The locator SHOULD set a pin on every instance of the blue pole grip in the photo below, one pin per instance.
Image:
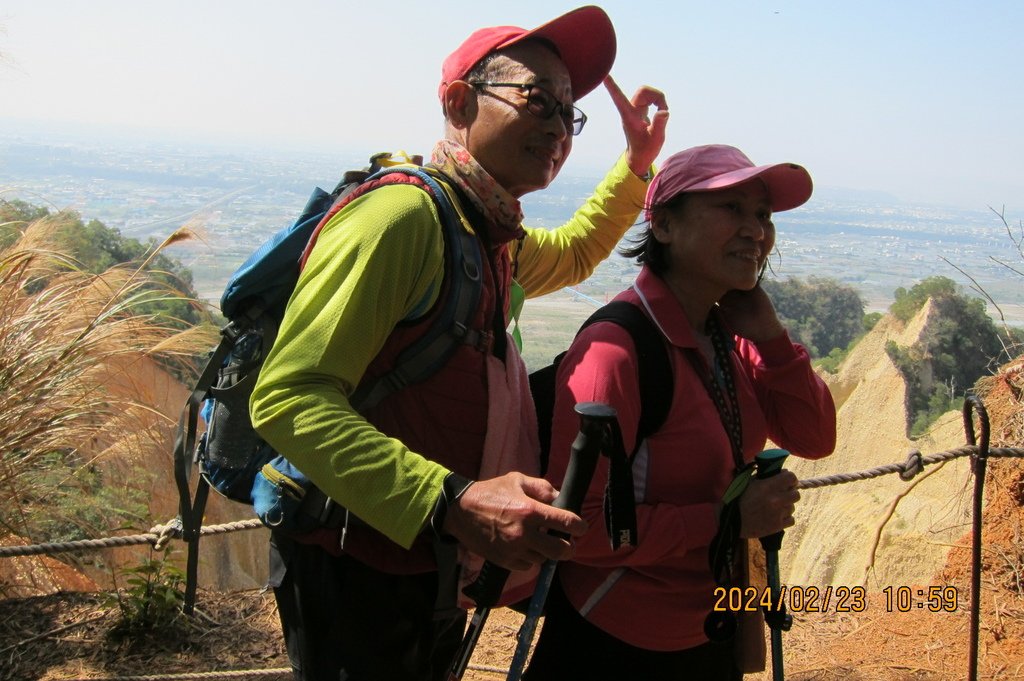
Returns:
(769, 462)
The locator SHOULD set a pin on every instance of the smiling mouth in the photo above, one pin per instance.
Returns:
(750, 256)
(545, 154)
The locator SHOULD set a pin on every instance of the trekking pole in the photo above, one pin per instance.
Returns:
(979, 462)
(769, 463)
(595, 419)
(484, 591)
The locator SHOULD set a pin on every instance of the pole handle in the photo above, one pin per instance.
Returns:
(769, 464)
(486, 589)
(586, 450)
(595, 421)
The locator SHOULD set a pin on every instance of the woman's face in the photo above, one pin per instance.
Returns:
(718, 241)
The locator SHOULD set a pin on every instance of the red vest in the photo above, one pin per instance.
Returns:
(443, 418)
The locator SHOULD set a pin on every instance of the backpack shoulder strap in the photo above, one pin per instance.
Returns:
(654, 370)
(453, 324)
(655, 382)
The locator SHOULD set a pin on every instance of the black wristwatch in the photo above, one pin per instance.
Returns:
(453, 487)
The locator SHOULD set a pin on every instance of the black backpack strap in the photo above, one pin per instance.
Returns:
(191, 510)
(654, 370)
(655, 382)
(654, 373)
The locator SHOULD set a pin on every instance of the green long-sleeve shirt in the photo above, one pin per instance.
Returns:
(376, 263)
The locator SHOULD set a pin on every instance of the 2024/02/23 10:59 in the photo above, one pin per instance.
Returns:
(835, 598)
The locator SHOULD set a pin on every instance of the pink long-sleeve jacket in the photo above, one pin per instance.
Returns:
(657, 594)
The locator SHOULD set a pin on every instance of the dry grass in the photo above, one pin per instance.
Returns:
(65, 336)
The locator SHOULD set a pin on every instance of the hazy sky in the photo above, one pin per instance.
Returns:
(919, 99)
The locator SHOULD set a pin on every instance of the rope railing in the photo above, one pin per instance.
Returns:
(284, 673)
(238, 674)
(160, 534)
(157, 536)
(910, 468)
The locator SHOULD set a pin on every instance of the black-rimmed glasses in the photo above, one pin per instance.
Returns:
(543, 104)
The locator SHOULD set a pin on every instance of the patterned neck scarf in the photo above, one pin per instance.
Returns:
(502, 210)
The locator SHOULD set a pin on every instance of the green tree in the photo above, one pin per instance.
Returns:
(908, 303)
(98, 247)
(960, 345)
(14, 215)
(869, 321)
(820, 313)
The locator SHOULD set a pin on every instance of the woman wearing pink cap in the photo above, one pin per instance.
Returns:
(639, 612)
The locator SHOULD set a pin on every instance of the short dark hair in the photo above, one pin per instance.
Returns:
(645, 248)
(482, 69)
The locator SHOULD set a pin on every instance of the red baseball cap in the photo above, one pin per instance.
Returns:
(718, 166)
(584, 38)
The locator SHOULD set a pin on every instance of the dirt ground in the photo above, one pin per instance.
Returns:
(67, 636)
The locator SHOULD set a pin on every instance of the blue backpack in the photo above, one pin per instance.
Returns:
(231, 456)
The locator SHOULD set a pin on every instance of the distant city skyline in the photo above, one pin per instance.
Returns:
(915, 99)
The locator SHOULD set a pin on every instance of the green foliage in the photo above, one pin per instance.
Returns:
(98, 247)
(820, 313)
(63, 499)
(14, 215)
(908, 303)
(152, 598)
(831, 362)
(942, 399)
(834, 359)
(960, 345)
(870, 320)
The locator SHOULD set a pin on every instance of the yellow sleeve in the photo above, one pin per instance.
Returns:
(550, 260)
(374, 263)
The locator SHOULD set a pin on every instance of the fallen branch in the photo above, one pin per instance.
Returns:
(888, 516)
(54, 632)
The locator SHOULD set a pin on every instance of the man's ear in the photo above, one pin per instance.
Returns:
(460, 104)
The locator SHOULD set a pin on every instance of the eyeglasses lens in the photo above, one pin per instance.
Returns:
(544, 105)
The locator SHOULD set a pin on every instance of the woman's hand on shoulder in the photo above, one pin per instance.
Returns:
(751, 315)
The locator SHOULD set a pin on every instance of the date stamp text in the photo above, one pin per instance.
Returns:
(838, 599)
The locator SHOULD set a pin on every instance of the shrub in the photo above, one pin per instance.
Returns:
(820, 313)
(960, 345)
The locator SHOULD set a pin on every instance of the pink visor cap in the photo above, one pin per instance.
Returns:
(718, 166)
(584, 38)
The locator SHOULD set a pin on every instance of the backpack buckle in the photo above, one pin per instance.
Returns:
(482, 341)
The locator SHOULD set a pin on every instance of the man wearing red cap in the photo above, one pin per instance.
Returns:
(363, 603)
